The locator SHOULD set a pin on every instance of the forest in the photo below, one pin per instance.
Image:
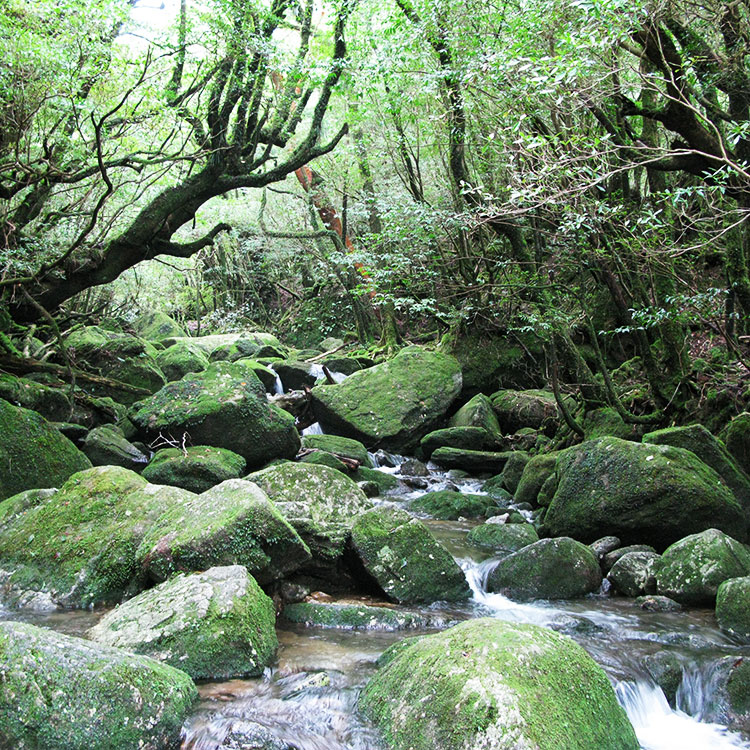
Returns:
(375, 374)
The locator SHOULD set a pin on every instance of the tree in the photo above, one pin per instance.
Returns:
(106, 169)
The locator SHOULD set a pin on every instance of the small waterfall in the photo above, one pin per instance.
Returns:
(313, 429)
(658, 727)
(278, 387)
(699, 684)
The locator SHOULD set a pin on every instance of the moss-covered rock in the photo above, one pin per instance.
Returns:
(733, 607)
(240, 348)
(385, 482)
(265, 374)
(471, 461)
(449, 505)
(33, 453)
(353, 616)
(180, 359)
(339, 446)
(642, 493)
(210, 343)
(408, 564)
(495, 487)
(322, 458)
(738, 440)
(233, 523)
(513, 470)
(117, 356)
(477, 412)
(64, 693)
(157, 326)
(548, 569)
(536, 472)
(196, 468)
(634, 574)
(692, 569)
(699, 440)
(343, 365)
(534, 408)
(107, 446)
(491, 684)
(321, 504)
(225, 407)
(609, 559)
(503, 538)
(391, 405)
(214, 625)
(78, 545)
(462, 438)
(51, 403)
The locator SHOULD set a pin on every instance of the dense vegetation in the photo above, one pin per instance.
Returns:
(567, 180)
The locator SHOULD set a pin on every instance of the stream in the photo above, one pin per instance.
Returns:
(308, 700)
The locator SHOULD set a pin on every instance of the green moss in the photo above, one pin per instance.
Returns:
(499, 685)
(64, 693)
(532, 408)
(606, 421)
(548, 569)
(339, 446)
(477, 413)
(738, 440)
(352, 616)
(503, 538)
(33, 454)
(461, 438)
(80, 544)
(180, 359)
(225, 407)
(391, 405)
(699, 440)
(470, 460)
(406, 561)
(233, 523)
(449, 505)
(738, 687)
(51, 403)
(321, 458)
(732, 606)
(157, 326)
(385, 482)
(196, 468)
(641, 493)
(214, 625)
(692, 569)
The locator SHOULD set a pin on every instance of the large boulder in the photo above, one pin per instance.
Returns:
(471, 461)
(339, 446)
(214, 625)
(548, 569)
(157, 326)
(51, 403)
(634, 574)
(463, 438)
(297, 375)
(321, 504)
(518, 409)
(477, 412)
(78, 545)
(128, 359)
(233, 523)
(179, 359)
(354, 616)
(408, 564)
(503, 538)
(391, 405)
(107, 446)
(33, 453)
(641, 493)
(537, 470)
(733, 607)
(64, 693)
(209, 344)
(692, 569)
(449, 505)
(225, 406)
(738, 439)
(196, 468)
(496, 685)
(699, 440)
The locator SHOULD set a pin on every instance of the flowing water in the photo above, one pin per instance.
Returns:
(308, 700)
